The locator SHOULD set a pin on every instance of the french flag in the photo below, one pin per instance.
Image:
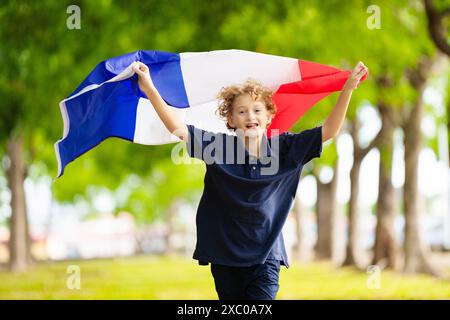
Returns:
(108, 103)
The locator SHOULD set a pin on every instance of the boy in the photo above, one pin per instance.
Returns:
(244, 206)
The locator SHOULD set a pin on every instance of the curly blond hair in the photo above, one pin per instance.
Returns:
(251, 87)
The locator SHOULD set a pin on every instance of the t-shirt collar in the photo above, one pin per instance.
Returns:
(265, 149)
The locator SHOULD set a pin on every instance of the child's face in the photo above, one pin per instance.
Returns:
(250, 116)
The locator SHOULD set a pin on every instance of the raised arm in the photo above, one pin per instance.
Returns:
(165, 113)
(333, 123)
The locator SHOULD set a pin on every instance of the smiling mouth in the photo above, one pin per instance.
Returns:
(252, 125)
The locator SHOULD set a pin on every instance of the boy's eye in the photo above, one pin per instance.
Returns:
(257, 110)
(241, 112)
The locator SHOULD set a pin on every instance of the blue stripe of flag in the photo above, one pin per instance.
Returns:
(110, 110)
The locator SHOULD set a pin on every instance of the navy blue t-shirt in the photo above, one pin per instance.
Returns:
(246, 200)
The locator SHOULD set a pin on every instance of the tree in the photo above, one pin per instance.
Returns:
(416, 250)
(352, 255)
(385, 249)
(439, 33)
(437, 25)
(326, 216)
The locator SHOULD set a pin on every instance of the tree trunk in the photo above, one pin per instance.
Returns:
(30, 259)
(326, 217)
(436, 26)
(353, 252)
(19, 239)
(416, 252)
(299, 217)
(170, 220)
(352, 249)
(385, 251)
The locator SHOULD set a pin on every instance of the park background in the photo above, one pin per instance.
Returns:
(371, 218)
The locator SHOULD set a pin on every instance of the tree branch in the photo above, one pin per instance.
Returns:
(435, 26)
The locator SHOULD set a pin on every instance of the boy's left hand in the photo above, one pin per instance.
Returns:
(358, 72)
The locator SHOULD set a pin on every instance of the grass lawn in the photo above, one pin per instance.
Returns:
(147, 277)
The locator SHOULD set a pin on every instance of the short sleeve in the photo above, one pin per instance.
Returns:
(198, 142)
(305, 146)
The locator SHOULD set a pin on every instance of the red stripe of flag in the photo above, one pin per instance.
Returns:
(295, 98)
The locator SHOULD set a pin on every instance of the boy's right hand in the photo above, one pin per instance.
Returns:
(145, 82)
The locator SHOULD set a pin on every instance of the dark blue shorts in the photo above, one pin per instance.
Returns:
(258, 282)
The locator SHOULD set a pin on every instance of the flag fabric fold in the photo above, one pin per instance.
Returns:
(108, 103)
